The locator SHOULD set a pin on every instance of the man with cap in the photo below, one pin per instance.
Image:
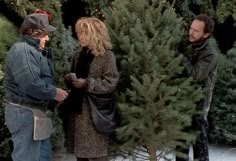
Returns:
(29, 85)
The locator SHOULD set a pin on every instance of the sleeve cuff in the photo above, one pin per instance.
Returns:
(52, 94)
(91, 84)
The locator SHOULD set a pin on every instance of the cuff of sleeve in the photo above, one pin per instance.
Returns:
(91, 84)
(52, 94)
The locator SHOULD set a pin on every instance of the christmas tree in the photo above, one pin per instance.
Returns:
(8, 36)
(95, 7)
(222, 116)
(155, 100)
(225, 9)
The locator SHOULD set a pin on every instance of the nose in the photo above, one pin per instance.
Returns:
(47, 38)
(191, 32)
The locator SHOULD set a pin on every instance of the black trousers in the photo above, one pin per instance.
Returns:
(200, 147)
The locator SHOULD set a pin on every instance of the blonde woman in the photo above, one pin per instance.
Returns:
(96, 72)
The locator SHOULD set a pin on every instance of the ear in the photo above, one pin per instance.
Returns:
(206, 35)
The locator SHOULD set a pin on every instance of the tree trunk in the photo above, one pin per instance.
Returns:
(152, 152)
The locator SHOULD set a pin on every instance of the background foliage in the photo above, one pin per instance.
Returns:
(222, 11)
(222, 115)
(8, 36)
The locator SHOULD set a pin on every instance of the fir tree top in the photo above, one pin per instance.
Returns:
(155, 99)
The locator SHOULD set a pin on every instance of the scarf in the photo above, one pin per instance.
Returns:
(82, 70)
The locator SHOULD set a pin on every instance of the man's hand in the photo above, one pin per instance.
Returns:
(60, 94)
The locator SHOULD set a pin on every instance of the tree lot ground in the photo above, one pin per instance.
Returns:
(216, 152)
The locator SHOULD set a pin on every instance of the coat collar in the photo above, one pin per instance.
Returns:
(201, 46)
(31, 41)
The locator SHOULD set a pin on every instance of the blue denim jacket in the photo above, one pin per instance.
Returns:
(29, 76)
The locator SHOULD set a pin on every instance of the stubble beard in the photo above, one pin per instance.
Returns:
(199, 41)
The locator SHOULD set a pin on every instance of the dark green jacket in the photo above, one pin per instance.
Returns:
(202, 67)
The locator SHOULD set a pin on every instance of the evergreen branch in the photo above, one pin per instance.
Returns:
(173, 4)
(135, 154)
(162, 153)
(4, 142)
(142, 149)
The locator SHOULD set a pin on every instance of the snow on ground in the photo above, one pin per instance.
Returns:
(216, 152)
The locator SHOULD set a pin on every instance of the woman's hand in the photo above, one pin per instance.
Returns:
(67, 77)
(80, 83)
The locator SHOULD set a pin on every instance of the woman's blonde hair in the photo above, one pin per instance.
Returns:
(96, 32)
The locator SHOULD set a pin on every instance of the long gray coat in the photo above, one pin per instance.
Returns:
(82, 138)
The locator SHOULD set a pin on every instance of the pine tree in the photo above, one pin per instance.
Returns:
(156, 102)
(222, 116)
(5, 148)
(225, 9)
(95, 7)
(219, 10)
(8, 36)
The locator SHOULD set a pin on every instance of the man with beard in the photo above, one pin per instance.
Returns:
(201, 65)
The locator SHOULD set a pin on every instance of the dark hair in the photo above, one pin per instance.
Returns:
(33, 32)
(209, 23)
